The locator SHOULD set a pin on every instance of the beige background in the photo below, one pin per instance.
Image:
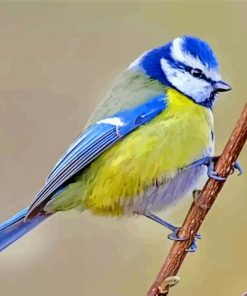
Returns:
(56, 61)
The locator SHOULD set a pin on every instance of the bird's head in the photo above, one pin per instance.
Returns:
(187, 64)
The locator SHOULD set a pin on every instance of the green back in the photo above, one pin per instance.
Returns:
(130, 89)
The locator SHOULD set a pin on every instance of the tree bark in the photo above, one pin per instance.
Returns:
(200, 208)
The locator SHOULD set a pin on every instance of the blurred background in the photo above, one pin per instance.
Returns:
(57, 59)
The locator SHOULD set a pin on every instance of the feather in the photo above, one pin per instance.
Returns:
(15, 227)
(91, 143)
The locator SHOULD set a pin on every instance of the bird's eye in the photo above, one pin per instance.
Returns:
(196, 72)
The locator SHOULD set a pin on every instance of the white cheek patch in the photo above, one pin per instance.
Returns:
(198, 89)
(179, 55)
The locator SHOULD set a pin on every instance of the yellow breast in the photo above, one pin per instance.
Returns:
(156, 151)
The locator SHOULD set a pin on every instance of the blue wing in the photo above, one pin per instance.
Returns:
(92, 142)
(15, 227)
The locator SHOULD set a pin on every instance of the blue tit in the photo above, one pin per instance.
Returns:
(144, 147)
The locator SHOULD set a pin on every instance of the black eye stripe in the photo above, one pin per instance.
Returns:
(187, 68)
(202, 76)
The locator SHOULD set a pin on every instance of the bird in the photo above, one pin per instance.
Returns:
(147, 145)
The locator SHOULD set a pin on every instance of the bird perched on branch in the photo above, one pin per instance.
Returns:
(146, 145)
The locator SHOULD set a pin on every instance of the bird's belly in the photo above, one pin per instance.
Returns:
(162, 196)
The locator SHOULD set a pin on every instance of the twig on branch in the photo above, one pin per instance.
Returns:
(200, 208)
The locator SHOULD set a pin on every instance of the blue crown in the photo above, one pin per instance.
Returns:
(201, 50)
(195, 47)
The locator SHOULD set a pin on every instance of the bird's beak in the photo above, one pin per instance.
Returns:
(221, 86)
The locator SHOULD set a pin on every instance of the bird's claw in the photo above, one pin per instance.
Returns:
(210, 163)
(212, 173)
(237, 167)
(193, 247)
(175, 230)
(174, 236)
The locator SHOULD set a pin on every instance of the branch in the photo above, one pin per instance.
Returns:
(200, 208)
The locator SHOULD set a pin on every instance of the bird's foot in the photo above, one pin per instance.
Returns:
(210, 163)
(237, 167)
(174, 235)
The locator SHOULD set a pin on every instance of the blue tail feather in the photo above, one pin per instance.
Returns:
(15, 227)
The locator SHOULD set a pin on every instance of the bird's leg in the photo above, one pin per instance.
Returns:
(210, 163)
(175, 230)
